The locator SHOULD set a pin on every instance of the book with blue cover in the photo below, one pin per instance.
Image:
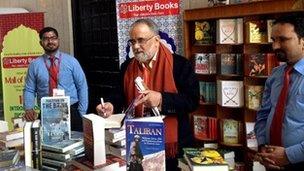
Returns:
(55, 117)
(145, 143)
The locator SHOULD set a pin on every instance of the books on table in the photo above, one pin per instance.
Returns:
(9, 157)
(145, 143)
(55, 118)
(11, 135)
(62, 146)
(114, 121)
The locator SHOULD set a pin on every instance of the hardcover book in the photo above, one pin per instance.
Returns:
(55, 117)
(205, 128)
(250, 136)
(230, 93)
(205, 63)
(204, 159)
(204, 32)
(257, 31)
(230, 31)
(94, 138)
(145, 143)
(62, 146)
(230, 64)
(253, 96)
(260, 64)
(231, 131)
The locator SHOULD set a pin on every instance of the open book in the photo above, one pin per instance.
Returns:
(114, 121)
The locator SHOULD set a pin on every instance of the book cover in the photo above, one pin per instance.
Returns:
(231, 131)
(62, 146)
(260, 64)
(55, 117)
(204, 159)
(200, 124)
(115, 134)
(253, 96)
(8, 157)
(256, 31)
(94, 138)
(230, 93)
(201, 63)
(204, 32)
(27, 144)
(230, 31)
(36, 145)
(250, 135)
(145, 143)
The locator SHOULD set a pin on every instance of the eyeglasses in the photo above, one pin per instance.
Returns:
(53, 38)
(140, 41)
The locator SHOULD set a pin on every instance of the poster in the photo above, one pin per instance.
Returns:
(167, 14)
(19, 39)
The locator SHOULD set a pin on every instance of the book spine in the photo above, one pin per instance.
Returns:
(36, 148)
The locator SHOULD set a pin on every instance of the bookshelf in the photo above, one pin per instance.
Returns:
(249, 13)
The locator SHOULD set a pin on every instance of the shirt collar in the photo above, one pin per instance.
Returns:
(299, 66)
(56, 55)
(152, 61)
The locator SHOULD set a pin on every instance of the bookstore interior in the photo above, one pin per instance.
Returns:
(230, 47)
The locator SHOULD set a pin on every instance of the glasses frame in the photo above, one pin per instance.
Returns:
(52, 38)
(140, 41)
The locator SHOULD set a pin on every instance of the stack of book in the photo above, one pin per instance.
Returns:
(56, 155)
(11, 139)
(8, 158)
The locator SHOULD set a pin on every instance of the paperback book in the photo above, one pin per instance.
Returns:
(8, 157)
(145, 143)
(55, 117)
(62, 146)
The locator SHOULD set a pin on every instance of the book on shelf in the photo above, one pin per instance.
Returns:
(250, 135)
(84, 164)
(269, 30)
(207, 92)
(260, 64)
(253, 96)
(145, 143)
(94, 138)
(230, 64)
(204, 32)
(9, 157)
(205, 63)
(55, 117)
(204, 159)
(231, 131)
(229, 31)
(11, 135)
(230, 93)
(62, 146)
(256, 31)
(205, 128)
(115, 120)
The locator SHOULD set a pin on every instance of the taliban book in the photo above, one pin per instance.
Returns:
(11, 135)
(230, 93)
(55, 117)
(62, 146)
(94, 138)
(260, 64)
(9, 157)
(231, 131)
(145, 143)
(256, 31)
(204, 159)
(32, 144)
(229, 31)
(204, 32)
(253, 96)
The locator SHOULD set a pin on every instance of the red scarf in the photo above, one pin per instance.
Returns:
(161, 80)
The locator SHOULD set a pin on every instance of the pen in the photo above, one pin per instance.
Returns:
(102, 102)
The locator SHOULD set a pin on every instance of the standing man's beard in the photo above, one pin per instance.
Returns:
(281, 55)
(142, 57)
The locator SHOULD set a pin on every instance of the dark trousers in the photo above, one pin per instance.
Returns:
(291, 167)
(76, 119)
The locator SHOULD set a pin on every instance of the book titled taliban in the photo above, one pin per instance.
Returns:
(145, 143)
(55, 117)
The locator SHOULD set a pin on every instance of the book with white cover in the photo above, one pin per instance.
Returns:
(62, 146)
(250, 135)
(230, 93)
(55, 118)
(94, 138)
(114, 121)
(11, 135)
